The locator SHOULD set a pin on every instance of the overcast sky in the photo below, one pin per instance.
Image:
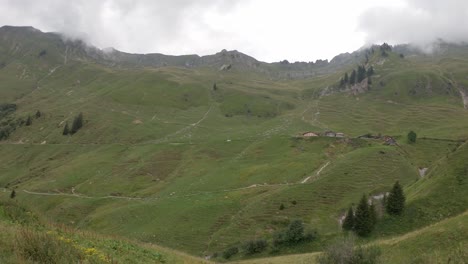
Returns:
(269, 30)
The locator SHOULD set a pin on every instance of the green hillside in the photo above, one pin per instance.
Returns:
(199, 159)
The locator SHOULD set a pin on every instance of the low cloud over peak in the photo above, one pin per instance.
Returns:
(419, 22)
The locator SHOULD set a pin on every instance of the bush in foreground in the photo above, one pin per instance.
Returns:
(44, 248)
(228, 253)
(255, 246)
(345, 251)
(294, 234)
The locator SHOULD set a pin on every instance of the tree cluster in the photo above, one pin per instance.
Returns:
(363, 220)
(8, 123)
(76, 125)
(293, 234)
(356, 76)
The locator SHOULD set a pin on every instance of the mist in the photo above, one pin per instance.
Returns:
(417, 22)
(136, 26)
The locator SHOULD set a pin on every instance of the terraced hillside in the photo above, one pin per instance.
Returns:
(200, 159)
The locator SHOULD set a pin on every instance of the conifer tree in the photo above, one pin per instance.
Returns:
(352, 79)
(66, 130)
(361, 74)
(395, 203)
(13, 194)
(346, 78)
(373, 214)
(370, 71)
(38, 114)
(342, 82)
(348, 223)
(29, 121)
(77, 123)
(362, 220)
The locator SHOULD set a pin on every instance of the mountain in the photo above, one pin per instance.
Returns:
(20, 39)
(192, 154)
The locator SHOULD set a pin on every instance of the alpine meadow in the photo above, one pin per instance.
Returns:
(114, 157)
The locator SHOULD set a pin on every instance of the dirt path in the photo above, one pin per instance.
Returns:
(83, 196)
(182, 130)
(316, 174)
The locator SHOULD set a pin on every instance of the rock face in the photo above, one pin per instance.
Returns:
(360, 88)
(225, 67)
(464, 96)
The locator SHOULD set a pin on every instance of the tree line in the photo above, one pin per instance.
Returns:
(363, 220)
(357, 76)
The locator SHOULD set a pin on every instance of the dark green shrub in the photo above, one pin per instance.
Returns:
(255, 246)
(228, 253)
(395, 202)
(344, 251)
(412, 137)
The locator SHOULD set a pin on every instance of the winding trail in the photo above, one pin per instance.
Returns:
(316, 174)
(182, 130)
(252, 186)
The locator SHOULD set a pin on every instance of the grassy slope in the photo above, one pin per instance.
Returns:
(93, 247)
(167, 136)
(436, 243)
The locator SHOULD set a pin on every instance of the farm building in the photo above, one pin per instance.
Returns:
(310, 134)
(389, 141)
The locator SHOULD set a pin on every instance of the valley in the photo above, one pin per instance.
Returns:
(177, 152)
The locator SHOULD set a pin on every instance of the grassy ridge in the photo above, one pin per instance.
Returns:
(165, 158)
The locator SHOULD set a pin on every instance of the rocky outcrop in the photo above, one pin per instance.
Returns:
(464, 95)
(360, 88)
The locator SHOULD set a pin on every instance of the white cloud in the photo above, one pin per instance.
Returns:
(419, 22)
(269, 30)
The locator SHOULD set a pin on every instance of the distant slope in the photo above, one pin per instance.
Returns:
(175, 152)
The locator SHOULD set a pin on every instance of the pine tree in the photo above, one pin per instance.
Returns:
(215, 87)
(352, 79)
(361, 74)
(38, 114)
(348, 223)
(29, 121)
(77, 123)
(373, 214)
(362, 220)
(66, 130)
(346, 78)
(13, 194)
(342, 82)
(395, 203)
(370, 71)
